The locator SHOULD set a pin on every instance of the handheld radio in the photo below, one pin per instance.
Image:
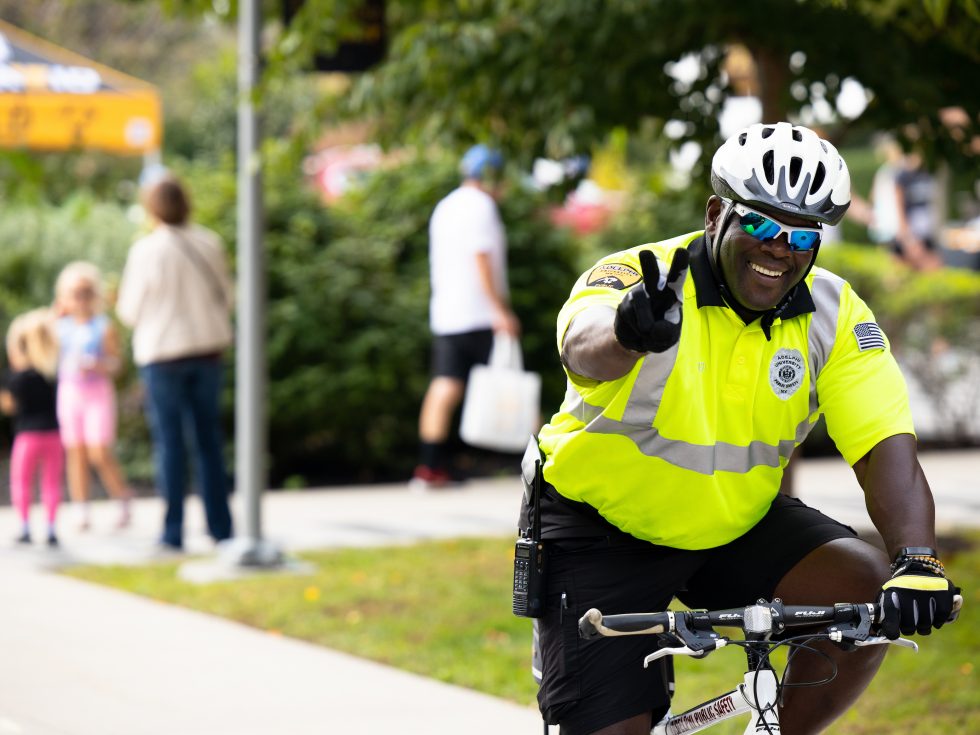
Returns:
(530, 557)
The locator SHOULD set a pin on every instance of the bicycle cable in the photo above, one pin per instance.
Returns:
(795, 644)
(796, 647)
(755, 683)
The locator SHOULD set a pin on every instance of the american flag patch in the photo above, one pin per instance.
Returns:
(869, 336)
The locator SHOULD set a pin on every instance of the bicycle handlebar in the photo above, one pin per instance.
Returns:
(764, 617)
(695, 628)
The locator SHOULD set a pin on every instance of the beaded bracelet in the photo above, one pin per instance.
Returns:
(924, 563)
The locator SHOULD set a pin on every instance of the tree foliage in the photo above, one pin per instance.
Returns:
(956, 21)
(556, 77)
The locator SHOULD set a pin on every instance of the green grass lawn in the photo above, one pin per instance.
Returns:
(443, 610)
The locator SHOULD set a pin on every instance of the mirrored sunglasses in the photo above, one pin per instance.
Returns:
(764, 228)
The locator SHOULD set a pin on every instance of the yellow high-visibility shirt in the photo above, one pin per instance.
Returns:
(687, 450)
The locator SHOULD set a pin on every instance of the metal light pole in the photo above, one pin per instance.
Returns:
(250, 369)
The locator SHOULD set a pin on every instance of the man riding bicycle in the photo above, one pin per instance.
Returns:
(695, 366)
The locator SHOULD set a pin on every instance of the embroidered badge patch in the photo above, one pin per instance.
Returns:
(869, 336)
(786, 373)
(613, 275)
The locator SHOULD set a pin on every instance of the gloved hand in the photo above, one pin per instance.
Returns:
(916, 599)
(648, 318)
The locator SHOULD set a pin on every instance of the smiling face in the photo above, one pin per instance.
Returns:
(759, 274)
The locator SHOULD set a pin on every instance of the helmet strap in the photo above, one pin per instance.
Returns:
(770, 316)
(714, 255)
(714, 247)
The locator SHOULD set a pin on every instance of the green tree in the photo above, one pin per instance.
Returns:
(556, 77)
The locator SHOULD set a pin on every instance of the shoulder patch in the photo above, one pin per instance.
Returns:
(869, 336)
(613, 275)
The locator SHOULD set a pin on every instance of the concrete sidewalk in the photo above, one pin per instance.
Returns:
(78, 659)
(381, 515)
(83, 660)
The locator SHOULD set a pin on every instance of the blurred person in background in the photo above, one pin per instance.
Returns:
(176, 294)
(469, 302)
(918, 224)
(88, 361)
(903, 206)
(881, 212)
(29, 394)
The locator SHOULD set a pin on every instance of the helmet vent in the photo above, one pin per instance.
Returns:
(767, 167)
(742, 138)
(818, 177)
(797, 135)
(767, 131)
(795, 166)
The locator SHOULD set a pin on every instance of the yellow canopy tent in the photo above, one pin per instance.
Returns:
(55, 100)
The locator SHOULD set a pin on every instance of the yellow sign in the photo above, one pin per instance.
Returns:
(55, 100)
(121, 123)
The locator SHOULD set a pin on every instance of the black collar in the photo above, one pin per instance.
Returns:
(708, 294)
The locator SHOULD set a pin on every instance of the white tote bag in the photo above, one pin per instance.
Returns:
(502, 404)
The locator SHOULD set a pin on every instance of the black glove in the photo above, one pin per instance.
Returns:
(916, 599)
(648, 318)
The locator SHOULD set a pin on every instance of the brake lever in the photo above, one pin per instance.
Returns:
(683, 651)
(695, 643)
(880, 640)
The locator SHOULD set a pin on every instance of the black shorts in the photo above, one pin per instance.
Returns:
(454, 354)
(588, 685)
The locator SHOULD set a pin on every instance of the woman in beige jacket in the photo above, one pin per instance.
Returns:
(176, 294)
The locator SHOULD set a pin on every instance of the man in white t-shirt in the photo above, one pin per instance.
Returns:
(468, 270)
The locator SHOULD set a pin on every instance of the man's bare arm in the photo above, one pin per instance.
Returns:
(897, 494)
(504, 319)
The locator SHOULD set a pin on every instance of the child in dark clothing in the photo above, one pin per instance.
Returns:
(30, 395)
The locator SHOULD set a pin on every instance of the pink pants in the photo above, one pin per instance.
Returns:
(33, 449)
(87, 412)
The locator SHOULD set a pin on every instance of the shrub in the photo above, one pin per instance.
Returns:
(933, 323)
(347, 321)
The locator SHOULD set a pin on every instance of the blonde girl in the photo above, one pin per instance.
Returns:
(89, 359)
(29, 395)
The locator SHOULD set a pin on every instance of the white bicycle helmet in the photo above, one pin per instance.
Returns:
(785, 168)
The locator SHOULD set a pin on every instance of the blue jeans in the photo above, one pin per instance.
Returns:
(185, 395)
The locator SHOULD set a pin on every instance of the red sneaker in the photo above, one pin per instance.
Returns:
(427, 478)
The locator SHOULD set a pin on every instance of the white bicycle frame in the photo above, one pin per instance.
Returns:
(756, 696)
